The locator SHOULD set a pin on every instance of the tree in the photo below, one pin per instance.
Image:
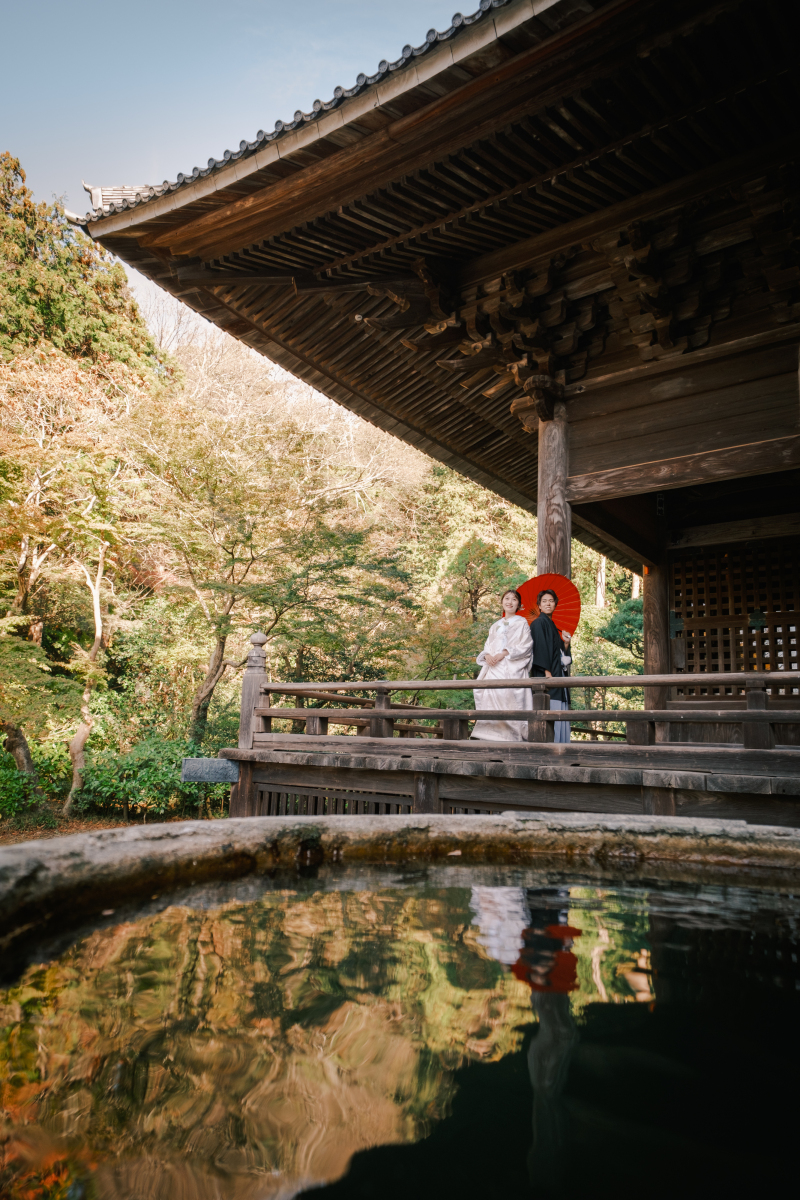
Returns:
(256, 530)
(625, 628)
(32, 697)
(478, 571)
(54, 413)
(58, 287)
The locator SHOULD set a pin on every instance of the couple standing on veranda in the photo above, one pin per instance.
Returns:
(516, 650)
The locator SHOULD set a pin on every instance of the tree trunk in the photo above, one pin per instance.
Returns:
(198, 720)
(600, 583)
(78, 743)
(17, 746)
(76, 749)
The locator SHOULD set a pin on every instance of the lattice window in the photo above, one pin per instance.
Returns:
(740, 607)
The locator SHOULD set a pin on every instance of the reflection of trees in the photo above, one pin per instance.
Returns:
(248, 1050)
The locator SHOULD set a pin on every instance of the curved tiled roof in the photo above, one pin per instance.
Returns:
(117, 199)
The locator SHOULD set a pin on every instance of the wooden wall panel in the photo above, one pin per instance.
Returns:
(739, 607)
(735, 415)
(707, 466)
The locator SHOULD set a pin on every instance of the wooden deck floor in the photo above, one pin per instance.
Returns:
(300, 773)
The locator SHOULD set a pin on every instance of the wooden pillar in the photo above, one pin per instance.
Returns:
(381, 726)
(242, 803)
(255, 676)
(317, 726)
(758, 736)
(553, 547)
(541, 731)
(655, 606)
(454, 729)
(658, 801)
(426, 793)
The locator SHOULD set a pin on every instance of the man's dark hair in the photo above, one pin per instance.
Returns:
(545, 592)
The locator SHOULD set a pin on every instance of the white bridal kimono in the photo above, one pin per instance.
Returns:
(512, 634)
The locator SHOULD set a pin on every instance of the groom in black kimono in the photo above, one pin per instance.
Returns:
(551, 656)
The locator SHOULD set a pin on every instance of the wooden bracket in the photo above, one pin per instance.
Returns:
(542, 393)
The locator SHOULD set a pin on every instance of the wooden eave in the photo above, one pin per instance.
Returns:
(614, 193)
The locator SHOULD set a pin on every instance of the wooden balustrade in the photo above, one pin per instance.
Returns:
(380, 718)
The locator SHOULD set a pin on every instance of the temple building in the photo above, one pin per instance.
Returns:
(556, 248)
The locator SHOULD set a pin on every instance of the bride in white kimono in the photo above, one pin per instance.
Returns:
(506, 655)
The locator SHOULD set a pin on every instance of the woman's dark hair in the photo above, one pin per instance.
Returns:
(513, 592)
(546, 592)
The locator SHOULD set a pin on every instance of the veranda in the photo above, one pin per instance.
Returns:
(723, 745)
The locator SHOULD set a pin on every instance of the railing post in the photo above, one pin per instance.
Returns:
(455, 729)
(426, 793)
(381, 726)
(317, 726)
(254, 676)
(640, 733)
(757, 736)
(242, 802)
(541, 731)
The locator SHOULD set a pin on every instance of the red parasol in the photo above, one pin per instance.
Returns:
(567, 612)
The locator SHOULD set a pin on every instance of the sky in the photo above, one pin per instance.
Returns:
(133, 93)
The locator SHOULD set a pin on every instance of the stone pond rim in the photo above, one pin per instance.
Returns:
(53, 884)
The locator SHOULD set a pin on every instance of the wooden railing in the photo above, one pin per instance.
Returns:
(380, 718)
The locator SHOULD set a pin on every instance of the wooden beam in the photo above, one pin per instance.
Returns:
(667, 366)
(730, 462)
(616, 533)
(544, 246)
(755, 529)
(205, 276)
(687, 716)
(304, 282)
(746, 679)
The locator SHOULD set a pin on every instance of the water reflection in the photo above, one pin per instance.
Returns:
(453, 1040)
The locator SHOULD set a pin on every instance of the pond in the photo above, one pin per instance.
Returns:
(447, 1032)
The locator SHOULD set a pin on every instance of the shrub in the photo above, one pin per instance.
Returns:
(147, 778)
(16, 789)
(51, 760)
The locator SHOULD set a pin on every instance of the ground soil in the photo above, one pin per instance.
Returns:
(50, 824)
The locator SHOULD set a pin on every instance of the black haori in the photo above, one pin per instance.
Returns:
(547, 650)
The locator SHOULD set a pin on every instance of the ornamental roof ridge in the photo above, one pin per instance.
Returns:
(108, 200)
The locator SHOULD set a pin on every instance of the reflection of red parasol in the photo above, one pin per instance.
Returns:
(567, 612)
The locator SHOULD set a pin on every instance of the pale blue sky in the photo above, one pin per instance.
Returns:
(134, 93)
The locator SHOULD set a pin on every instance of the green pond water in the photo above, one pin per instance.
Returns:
(452, 1032)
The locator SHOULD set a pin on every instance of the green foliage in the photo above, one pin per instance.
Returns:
(148, 777)
(16, 789)
(480, 571)
(54, 768)
(57, 286)
(625, 628)
(32, 694)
